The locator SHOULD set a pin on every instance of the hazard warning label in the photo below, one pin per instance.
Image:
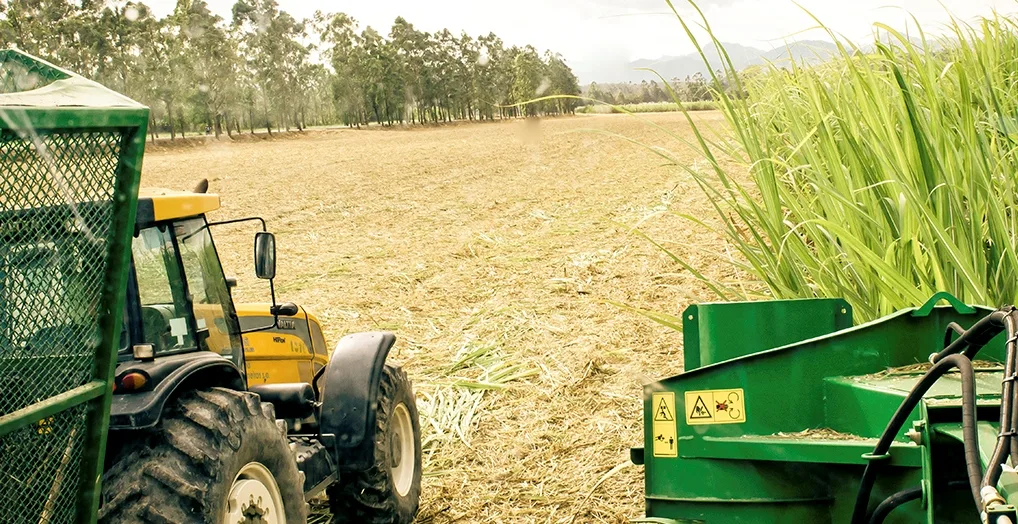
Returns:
(716, 406)
(666, 442)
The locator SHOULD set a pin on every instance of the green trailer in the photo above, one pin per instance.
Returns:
(786, 412)
(70, 159)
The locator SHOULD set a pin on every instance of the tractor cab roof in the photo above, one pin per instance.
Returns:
(157, 205)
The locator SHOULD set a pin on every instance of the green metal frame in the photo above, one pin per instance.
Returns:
(818, 392)
(56, 106)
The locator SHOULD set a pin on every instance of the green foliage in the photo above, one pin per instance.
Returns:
(264, 68)
(880, 177)
(648, 107)
(694, 88)
(417, 77)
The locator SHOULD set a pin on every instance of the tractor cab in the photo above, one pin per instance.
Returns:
(179, 297)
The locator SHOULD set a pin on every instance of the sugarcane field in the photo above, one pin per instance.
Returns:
(641, 262)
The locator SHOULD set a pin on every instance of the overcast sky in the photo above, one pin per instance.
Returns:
(586, 32)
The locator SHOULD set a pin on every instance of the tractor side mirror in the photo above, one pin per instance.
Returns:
(265, 255)
(287, 309)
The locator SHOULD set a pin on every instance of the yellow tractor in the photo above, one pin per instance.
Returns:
(238, 413)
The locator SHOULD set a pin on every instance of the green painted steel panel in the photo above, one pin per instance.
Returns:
(70, 160)
(855, 408)
(715, 332)
(987, 431)
(813, 407)
(796, 447)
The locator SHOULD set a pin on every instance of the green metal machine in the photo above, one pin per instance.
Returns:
(786, 412)
(70, 158)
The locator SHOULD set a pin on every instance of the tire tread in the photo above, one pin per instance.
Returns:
(368, 496)
(171, 479)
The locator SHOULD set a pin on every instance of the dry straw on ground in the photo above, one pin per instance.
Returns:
(492, 251)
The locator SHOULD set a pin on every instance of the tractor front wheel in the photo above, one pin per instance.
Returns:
(390, 490)
(218, 456)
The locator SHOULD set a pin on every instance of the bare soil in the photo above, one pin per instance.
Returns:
(513, 236)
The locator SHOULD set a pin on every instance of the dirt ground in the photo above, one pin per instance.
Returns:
(494, 251)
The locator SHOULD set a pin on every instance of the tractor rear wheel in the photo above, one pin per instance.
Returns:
(217, 456)
(390, 490)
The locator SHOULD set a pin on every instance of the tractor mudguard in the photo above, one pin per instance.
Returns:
(169, 376)
(350, 397)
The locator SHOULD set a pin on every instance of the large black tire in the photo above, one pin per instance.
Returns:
(183, 471)
(370, 496)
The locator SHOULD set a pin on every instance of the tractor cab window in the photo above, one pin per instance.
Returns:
(210, 297)
(166, 322)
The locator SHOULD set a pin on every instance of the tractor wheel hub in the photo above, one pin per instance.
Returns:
(255, 498)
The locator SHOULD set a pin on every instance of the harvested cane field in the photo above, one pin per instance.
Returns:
(494, 251)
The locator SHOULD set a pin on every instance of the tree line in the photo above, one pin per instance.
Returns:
(265, 69)
(695, 88)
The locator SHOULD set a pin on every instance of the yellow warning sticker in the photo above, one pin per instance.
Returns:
(666, 442)
(716, 406)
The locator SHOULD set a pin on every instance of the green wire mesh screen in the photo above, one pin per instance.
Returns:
(20, 73)
(41, 486)
(64, 210)
(56, 202)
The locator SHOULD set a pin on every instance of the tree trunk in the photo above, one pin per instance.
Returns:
(169, 118)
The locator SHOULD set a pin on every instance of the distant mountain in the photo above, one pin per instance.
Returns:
(810, 51)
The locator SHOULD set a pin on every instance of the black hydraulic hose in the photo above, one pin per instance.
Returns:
(1011, 345)
(890, 503)
(1005, 435)
(906, 495)
(1013, 427)
(975, 337)
(970, 437)
(952, 327)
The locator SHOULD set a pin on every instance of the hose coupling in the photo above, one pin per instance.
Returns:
(991, 497)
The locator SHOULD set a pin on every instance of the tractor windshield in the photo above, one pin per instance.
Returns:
(185, 303)
(211, 303)
(166, 323)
